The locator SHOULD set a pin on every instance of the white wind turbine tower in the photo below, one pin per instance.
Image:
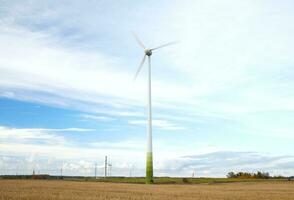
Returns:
(149, 159)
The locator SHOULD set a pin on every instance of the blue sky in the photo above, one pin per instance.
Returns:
(222, 98)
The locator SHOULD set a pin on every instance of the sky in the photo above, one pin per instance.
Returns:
(222, 97)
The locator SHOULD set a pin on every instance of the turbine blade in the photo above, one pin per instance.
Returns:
(164, 45)
(139, 41)
(140, 67)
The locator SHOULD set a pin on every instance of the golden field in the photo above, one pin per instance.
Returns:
(58, 189)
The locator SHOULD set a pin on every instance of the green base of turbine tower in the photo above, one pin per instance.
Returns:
(149, 168)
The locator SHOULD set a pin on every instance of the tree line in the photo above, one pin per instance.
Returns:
(257, 175)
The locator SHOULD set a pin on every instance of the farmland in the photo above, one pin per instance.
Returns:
(86, 190)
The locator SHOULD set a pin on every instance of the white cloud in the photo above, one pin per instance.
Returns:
(127, 144)
(35, 62)
(33, 135)
(162, 124)
(24, 135)
(219, 163)
(49, 142)
(229, 61)
(232, 54)
(72, 129)
(209, 71)
(96, 118)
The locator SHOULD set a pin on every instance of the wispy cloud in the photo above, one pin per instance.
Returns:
(30, 135)
(221, 162)
(96, 118)
(36, 135)
(127, 144)
(76, 69)
(162, 124)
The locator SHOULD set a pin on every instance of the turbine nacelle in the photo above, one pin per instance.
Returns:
(148, 52)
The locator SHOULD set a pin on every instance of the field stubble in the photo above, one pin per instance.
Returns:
(65, 190)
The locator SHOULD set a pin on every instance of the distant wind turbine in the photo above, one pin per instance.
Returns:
(149, 159)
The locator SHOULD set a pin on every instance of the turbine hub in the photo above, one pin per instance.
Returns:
(148, 52)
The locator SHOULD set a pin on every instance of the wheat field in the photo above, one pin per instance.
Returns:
(57, 189)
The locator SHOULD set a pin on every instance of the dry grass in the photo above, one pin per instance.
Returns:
(44, 190)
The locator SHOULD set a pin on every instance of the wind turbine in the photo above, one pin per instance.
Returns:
(149, 158)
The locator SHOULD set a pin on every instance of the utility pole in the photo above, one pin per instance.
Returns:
(132, 169)
(109, 169)
(105, 167)
(95, 170)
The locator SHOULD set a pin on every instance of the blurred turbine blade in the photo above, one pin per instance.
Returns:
(139, 41)
(140, 67)
(164, 45)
